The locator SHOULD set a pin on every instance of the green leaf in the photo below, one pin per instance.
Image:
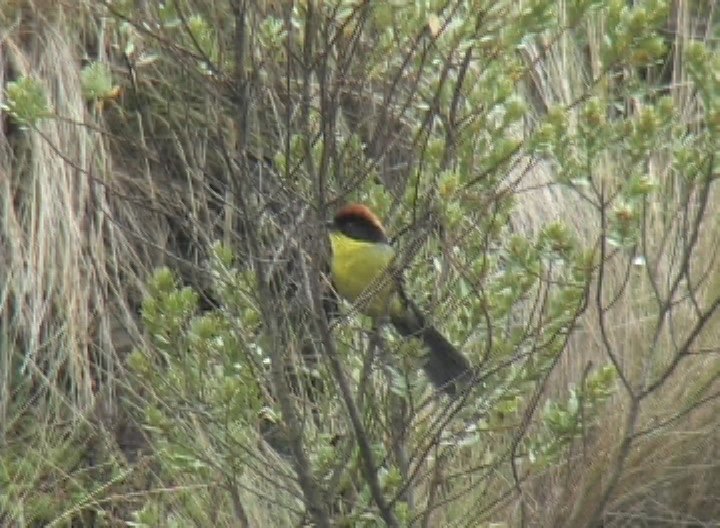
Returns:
(96, 80)
(26, 101)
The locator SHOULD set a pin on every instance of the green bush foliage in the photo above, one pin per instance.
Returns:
(547, 173)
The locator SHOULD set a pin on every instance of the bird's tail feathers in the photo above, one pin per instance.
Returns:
(445, 365)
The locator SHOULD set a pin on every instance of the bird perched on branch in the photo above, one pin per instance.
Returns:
(362, 269)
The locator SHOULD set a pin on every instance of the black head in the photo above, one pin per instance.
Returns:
(359, 222)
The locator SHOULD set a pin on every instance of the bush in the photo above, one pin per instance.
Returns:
(548, 172)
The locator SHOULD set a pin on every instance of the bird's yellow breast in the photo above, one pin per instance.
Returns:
(360, 267)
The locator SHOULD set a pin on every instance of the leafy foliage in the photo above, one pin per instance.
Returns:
(547, 171)
(26, 101)
(97, 81)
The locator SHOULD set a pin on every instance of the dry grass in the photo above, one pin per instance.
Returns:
(669, 477)
(87, 215)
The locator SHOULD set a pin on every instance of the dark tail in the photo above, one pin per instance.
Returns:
(445, 365)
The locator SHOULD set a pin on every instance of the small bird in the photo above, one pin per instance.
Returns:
(361, 270)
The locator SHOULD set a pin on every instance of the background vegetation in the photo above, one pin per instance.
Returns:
(547, 167)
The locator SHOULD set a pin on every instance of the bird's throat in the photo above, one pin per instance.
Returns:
(360, 273)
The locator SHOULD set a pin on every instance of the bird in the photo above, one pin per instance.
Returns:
(361, 272)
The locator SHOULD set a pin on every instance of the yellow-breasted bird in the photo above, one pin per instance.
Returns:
(361, 269)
